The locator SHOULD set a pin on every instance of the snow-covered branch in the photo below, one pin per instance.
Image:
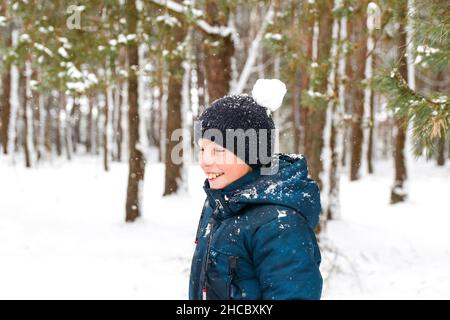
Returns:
(253, 52)
(200, 24)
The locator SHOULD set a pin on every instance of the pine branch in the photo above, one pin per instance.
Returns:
(182, 12)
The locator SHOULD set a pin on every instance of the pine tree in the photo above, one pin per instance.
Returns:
(428, 110)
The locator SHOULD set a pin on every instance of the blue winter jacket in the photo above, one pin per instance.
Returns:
(255, 239)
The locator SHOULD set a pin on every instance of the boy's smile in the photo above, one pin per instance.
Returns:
(220, 165)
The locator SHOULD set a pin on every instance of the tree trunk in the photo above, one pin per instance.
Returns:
(59, 108)
(317, 114)
(24, 103)
(333, 196)
(443, 80)
(200, 69)
(398, 192)
(336, 133)
(119, 128)
(295, 72)
(441, 151)
(49, 106)
(6, 86)
(371, 129)
(106, 128)
(68, 141)
(90, 127)
(173, 176)
(97, 135)
(136, 161)
(358, 38)
(36, 107)
(161, 119)
(75, 120)
(306, 42)
(370, 152)
(218, 51)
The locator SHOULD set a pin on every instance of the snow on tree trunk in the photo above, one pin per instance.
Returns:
(373, 20)
(186, 120)
(330, 152)
(143, 98)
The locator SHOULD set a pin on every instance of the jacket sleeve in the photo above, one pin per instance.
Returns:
(287, 258)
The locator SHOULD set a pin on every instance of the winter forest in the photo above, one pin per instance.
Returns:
(93, 95)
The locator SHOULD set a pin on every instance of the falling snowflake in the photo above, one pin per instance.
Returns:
(281, 213)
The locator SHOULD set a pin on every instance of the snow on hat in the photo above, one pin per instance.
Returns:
(247, 121)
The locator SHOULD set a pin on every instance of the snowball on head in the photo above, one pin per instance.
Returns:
(269, 93)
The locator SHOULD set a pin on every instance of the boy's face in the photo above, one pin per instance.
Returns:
(220, 165)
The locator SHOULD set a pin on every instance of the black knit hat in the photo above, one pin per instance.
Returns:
(242, 126)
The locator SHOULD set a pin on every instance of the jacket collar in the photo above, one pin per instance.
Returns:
(219, 198)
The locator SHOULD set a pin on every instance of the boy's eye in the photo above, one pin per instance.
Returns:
(219, 150)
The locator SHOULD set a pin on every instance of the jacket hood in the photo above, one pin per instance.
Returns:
(288, 185)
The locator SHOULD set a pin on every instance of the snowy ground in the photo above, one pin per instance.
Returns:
(62, 235)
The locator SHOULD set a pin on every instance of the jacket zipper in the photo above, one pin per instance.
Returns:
(213, 222)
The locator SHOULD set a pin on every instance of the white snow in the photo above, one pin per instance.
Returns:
(269, 93)
(169, 20)
(24, 38)
(427, 50)
(41, 47)
(282, 213)
(273, 36)
(63, 53)
(62, 235)
(387, 251)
